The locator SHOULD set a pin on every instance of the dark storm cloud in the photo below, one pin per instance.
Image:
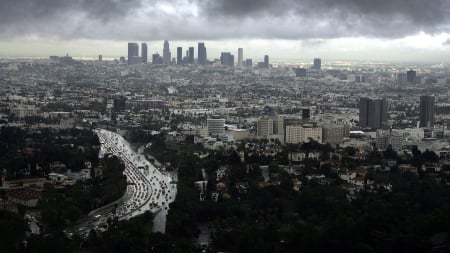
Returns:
(55, 17)
(385, 18)
(16, 11)
(222, 19)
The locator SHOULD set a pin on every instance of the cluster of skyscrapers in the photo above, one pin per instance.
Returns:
(133, 53)
(373, 112)
(166, 58)
(226, 58)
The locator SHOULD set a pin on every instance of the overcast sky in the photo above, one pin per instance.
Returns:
(391, 30)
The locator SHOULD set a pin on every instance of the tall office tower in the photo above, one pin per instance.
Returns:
(144, 52)
(191, 55)
(201, 53)
(100, 57)
(266, 61)
(166, 53)
(227, 59)
(240, 57)
(317, 64)
(426, 111)
(373, 113)
(411, 76)
(264, 127)
(216, 125)
(133, 53)
(179, 55)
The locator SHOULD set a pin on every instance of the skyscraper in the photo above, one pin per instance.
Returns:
(317, 64)
(426, 111)
(133, 53)
(266, 61)
(372, 113)
(411, 76)
(201, 53)
(191, 55)
(166, 53)
(144, 52)
(227, 59)
(240, 57)
(179, 55)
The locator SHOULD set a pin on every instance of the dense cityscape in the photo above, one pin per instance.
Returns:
(308, 139)
(290, 126)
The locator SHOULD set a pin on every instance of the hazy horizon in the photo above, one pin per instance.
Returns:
(385, 30)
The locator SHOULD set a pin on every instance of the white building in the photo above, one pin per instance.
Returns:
(264, 127)
(303, 133)
(216, 125)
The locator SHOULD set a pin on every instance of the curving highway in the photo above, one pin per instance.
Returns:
(148, 189)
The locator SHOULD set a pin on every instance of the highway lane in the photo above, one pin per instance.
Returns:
(148, 189)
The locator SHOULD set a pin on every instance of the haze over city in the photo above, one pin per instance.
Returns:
(398, 30)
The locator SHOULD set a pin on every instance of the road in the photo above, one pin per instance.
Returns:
(149, 188)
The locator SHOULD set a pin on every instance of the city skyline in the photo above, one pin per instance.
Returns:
(384, 30)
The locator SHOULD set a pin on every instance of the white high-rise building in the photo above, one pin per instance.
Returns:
(240, 57)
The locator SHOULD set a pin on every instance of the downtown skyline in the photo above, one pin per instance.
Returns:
(399, 30)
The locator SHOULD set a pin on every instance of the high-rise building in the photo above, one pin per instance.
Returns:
(227, 59)
(426, 111)
(266, 61)
(240, 57)
(179, 55)
(373, 113)
(317, 64)
(166, 53)
(100, 57)
(191, 55)
(157, 59)
(411, 76)
(144, 52)
(216, 125)
(201, 53)
(264, 127)
(133, 53)
(278, 128)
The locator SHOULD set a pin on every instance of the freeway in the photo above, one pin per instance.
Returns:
(148, 189)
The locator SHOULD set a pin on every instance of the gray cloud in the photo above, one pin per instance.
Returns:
(222, 19)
